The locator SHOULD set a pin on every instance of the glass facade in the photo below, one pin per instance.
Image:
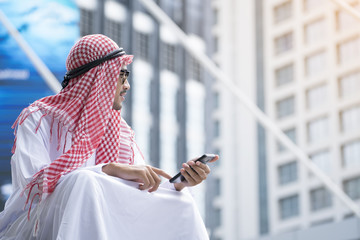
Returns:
(284, 75)
(352, 188)
(350, 119)
(289, 207)
(288, 173)
(315, 64)
(349, 50)
(349, 85)
(285, 107)
(320, 198)
(86, 23)
(318, 130)
(315, 32)
(291, 133)
(322, 160)
(283, 11)
(284, 43)
(317, 97)
(351, 155)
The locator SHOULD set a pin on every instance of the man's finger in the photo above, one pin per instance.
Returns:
(187, 177)
(215, 158)
(161, 173)
(192, 172)
(146, 181)
(205, 167)
(156, 179)
(200, 171)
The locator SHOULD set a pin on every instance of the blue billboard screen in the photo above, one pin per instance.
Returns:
(50, 28)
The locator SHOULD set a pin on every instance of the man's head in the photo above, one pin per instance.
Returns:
(96, 64)
(121, 88)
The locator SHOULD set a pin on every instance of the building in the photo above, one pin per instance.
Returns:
(299, 61)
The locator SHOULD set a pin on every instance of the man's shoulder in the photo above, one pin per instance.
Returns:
(33, 117)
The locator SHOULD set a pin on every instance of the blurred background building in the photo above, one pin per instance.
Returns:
(298, 60)
(312, 84)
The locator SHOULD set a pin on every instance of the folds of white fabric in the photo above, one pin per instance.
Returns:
(88, 205)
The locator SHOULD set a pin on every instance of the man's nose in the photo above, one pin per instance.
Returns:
(127, 84)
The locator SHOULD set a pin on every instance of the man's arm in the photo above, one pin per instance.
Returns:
(147, 176)
(31, 153)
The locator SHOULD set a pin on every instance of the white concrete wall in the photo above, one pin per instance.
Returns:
(237, 142)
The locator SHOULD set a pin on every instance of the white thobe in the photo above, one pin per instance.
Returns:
(87, 203)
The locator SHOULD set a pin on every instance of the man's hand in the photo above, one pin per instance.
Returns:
(147, 176)
(194, 173)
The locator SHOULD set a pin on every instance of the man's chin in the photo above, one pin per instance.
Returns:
(117, 107)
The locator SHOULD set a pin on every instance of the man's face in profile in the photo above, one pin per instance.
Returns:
(121, 88)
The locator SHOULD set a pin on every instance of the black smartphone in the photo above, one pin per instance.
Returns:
(204, 159)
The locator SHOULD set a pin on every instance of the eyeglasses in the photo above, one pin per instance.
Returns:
(125, 72)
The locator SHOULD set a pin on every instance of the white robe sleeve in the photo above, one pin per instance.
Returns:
(36, 150)
(31, 153)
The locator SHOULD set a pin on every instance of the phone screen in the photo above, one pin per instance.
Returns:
(204, 159)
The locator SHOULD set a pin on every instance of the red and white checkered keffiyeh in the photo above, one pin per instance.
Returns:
(85, 108)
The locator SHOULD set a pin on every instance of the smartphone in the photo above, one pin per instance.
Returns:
(204, 159)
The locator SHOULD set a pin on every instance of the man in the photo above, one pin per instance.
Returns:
(77, 172)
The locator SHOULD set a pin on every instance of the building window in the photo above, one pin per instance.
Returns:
(315, 64)
(216, 44)
(350, 120)
(215, 16)
(315, 32)
(142, 46)
(349, 51)
(320, 198)
(351, 154)
(352, 188)
(287, 173)
(291, 133)
(344, 20)
(313, 4)
(285, 107)
(216, 100)
(178, 6)
(318, 130)
(113, 30)
(350, 85)
(284, 75)
(168, 59)
(195, 70)
(217, 217)
(283, 11)
(289, 207)
(86, 22)
(284, 43)
(322, 161)
(194, 17)
(217, 187)
(316, 97)
(217, 128)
